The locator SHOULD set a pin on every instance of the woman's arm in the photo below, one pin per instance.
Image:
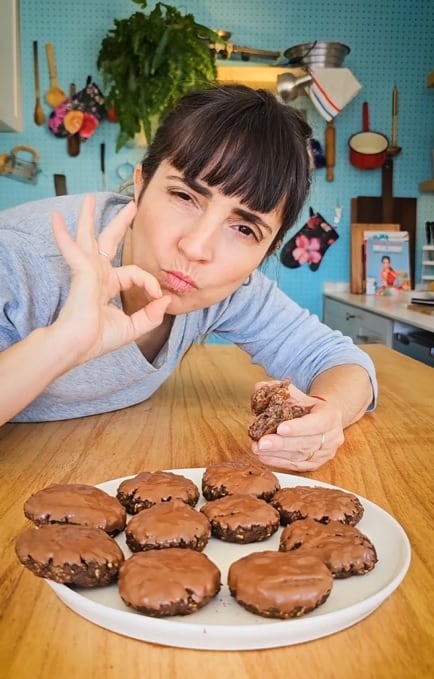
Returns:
(88, 325)
(347, 388)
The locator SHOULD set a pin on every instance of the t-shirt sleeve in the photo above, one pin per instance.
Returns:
(27, 300)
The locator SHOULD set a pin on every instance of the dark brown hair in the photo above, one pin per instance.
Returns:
(243, 141)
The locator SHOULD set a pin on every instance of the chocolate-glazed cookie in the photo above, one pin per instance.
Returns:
(268, 391)
(272, 404)
(238, 477)
(167, 525)
(291, 584)
(70, 554)
(148, 488)
(168, 582)
(315, 502)
(344, 549)
(76, 503)
(241, 518)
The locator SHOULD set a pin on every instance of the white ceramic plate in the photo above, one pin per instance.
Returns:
(223, 624)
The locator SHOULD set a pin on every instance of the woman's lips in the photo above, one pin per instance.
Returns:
(179, 283)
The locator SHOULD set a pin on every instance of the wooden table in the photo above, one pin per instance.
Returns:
(200, 416)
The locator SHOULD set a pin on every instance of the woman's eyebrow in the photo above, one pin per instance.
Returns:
(253, 218)
(203, 190)
(194, 185)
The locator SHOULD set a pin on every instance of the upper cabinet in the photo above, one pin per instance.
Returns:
(428, 185)
(10, 67)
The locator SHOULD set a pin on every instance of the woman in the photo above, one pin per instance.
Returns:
(102, 325)
(388, 273)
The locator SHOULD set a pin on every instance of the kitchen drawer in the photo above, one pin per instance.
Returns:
(364, 327)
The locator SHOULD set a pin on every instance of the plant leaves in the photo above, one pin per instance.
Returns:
(148, 61)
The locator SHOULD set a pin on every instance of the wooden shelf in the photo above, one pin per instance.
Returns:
(253, 74)
(430, 79)
(427, 185)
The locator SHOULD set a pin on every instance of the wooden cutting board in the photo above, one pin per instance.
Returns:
(357, 252)
(421, 308)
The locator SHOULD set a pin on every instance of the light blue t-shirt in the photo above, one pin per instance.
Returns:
(34, 282)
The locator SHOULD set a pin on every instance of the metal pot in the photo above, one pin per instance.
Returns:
(367, 150)
(318, 54)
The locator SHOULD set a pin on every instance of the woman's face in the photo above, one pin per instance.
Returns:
(200, 244)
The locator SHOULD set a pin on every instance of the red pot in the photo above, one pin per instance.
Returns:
(368, 150)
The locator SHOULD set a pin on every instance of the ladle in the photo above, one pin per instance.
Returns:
(38, 114)
(54, 95)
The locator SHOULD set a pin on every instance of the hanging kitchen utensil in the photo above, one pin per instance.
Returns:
(317, 53)
(225, 50)
(73, 139)
(38, 114)
(54, 95)
(60, 184)
(102, 167)
(309, 244)
(14, 166)
(90, 100)
(80, 114)
(330, 150)
(367, 150)
(394, 149)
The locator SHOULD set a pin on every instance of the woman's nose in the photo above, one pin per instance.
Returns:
(199, 242)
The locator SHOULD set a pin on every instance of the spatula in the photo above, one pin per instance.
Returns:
(54, 95)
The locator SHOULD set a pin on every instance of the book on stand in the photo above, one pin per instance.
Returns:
(387, 262)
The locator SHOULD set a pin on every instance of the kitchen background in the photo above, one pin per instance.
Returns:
(391, 45)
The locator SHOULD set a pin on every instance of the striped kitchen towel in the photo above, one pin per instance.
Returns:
(331, 90)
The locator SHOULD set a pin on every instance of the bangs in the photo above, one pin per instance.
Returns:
(236, 166)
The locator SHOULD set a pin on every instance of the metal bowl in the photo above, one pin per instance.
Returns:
(317, 54)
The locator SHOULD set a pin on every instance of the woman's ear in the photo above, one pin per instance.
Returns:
(138, 182)
(276, 245)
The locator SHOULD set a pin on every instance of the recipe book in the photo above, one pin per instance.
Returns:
(387, 260)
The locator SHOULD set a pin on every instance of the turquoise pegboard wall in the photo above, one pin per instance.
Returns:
(387, 48)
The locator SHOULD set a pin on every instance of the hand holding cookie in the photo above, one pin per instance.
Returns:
(292, 430)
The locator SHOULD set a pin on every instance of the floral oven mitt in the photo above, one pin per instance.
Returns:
(309, 244)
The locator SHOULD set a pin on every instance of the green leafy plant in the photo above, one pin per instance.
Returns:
(150, 60)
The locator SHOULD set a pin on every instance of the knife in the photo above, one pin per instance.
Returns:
(60, 184)
(102, 162)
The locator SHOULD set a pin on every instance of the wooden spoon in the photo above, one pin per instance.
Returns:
(54, 95)
(38, 115)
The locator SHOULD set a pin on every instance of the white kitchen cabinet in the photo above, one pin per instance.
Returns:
(427, 264)
(10, 67)
(364, 327)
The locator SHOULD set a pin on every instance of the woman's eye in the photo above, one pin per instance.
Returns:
(248, 231)
(182, 195)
